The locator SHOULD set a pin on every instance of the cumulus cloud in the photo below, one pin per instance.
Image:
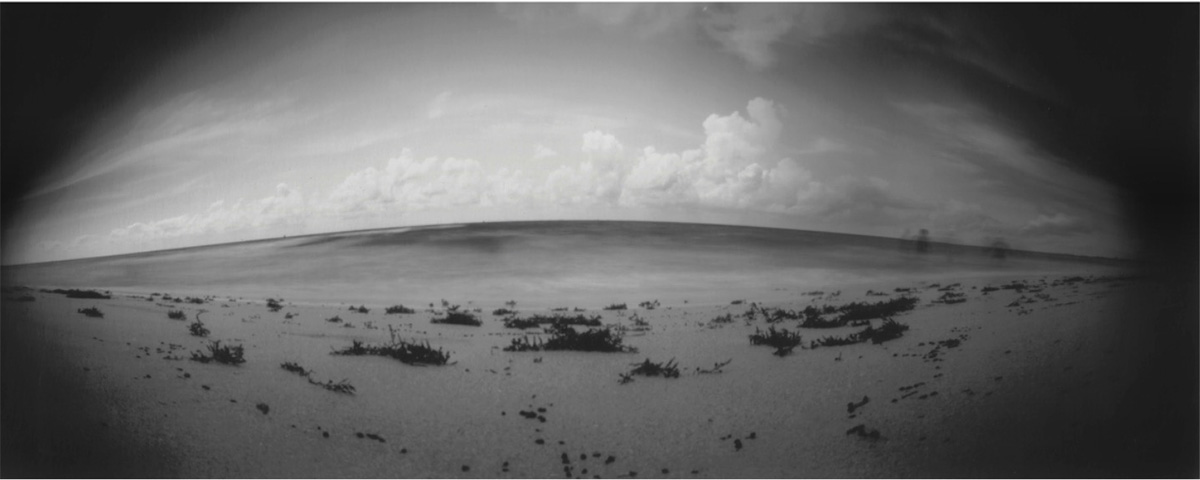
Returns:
(541, 151)
(286, 206)
(406, 184)
(732, 168)
(599, 143)
(750, 30)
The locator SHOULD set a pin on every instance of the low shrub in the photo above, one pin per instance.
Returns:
(717, 368)
(565, 337)
(176, 315)
(227, 354)
(360, 309)
(91, 312)
(459, 318)
(295, 368)
(343, 386)
(616, 306)
(73, 293)
(274, 305)
(197, 329)
(334, 319)
(557, 319)
(721, 319)
(399, 309)
(651, 369)
(649, 305)
(500, 312)
(783, 340)
(412, 353)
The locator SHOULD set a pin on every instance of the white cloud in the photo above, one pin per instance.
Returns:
(599, 143)
(541, 151)
(286, 207)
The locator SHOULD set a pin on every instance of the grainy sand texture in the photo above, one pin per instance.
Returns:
(997, 374)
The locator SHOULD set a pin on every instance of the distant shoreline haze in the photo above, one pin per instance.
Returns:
(573, 261)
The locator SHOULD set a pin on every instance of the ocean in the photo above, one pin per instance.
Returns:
(538, 264)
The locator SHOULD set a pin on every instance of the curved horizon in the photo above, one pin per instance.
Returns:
(197, 125)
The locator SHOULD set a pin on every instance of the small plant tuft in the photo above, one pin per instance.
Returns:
(91, 312)
(616, 306)
(399, 309)
(176, 315)
(227, 354)
(198, 329)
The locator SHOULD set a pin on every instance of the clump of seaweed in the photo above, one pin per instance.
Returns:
(888, 330)
(500, 312)
(783, 340)
(334, 319)
(73, 293)
(176, 315)
(360, 309)
(198, 329)
(295, 368)
(616, 306)
(454, 316)
(565, 337)
(412, 353)
(91, 312)
(652, 369)
(649, 305)
(721, 319)
(343, 386)
(227, 354)
(399, 309)
(557, 319)
(950, 298)
(274, 305)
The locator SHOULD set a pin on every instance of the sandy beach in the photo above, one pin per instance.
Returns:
(1011, 382)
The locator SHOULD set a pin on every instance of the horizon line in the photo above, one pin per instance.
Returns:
(431, 225)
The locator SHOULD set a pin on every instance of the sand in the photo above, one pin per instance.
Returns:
(1029, 390)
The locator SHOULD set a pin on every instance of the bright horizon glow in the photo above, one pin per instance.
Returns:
(298, 120)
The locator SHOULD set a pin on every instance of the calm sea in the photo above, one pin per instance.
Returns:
(587, 264)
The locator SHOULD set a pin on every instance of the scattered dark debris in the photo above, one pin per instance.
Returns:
(558, 319)
(851, 406)
(863, 432)
(716, 368)
(652, 369)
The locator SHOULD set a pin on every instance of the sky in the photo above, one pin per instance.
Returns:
(133, 128)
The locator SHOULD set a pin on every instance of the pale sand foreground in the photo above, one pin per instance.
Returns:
(1030, 391)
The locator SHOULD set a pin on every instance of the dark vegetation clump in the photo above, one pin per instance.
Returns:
(649, 305)
(737, 302)
(867, 311)
(176, 315)
(198, 329)
(91, 312)
(888, 330)
(399, 309)
(454, 316)
(274, 304)
(558, 319)
(950, 298)
(500, 312)
(295, 368)
(227, 354)
(412, 353)
(360, 309)
(343, 386)
(652, 369)
(783, 340)
(334, 319)
(73, 293)
(616, 306)
(721, 319)
(565, 337)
